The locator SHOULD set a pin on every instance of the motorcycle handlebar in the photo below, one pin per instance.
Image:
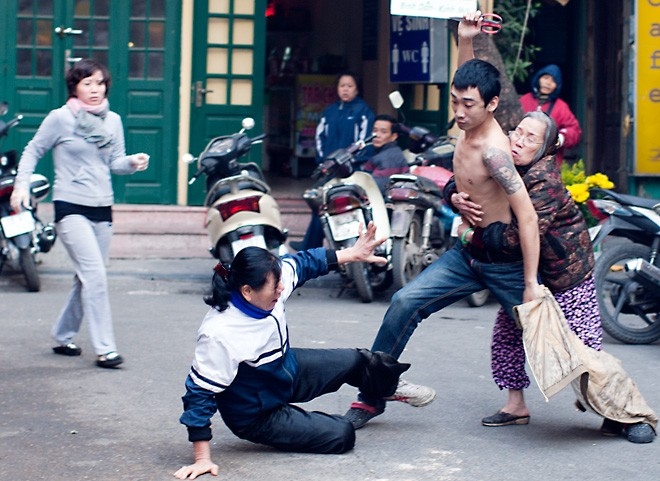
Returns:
(339, 157)
(195, 175)
(10, 124)
(419, 134)
(360, 144)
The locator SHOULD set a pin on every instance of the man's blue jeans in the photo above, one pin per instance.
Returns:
(455, 275)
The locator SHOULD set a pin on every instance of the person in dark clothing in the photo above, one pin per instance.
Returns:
(245, 368)
(388, 160)
(347, 120)
(344, 122)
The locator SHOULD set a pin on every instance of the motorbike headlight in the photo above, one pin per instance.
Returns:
(221, 146)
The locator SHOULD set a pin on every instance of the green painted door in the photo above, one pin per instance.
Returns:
(229, 42)
(139, 42)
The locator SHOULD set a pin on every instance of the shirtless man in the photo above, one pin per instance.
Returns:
(484, 170)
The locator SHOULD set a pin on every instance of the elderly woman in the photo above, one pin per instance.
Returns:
(565, 267)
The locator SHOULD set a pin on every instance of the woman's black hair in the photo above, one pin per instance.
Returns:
(356, 79)
(250, 267)
(81, 70)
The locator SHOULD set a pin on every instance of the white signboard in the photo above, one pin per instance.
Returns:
(433, 8)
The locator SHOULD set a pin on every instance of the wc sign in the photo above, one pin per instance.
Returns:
(418, 50)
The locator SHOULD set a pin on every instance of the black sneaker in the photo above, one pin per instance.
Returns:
(360, 414)
(109, 360)
(639, 433)
(67, 350)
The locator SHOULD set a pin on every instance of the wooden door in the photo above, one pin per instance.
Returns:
(139, 42)
(228, 74)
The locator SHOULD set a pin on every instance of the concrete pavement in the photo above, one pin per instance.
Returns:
(65, 419)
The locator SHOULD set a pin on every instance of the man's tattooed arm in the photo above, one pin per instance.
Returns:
(501, 168)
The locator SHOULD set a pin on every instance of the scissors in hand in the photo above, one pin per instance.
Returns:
(491, 23)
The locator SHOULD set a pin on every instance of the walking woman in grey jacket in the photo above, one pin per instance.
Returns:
(87, 142)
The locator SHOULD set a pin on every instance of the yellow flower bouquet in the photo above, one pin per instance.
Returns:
(580, 185)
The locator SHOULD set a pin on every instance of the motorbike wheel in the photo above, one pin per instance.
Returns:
(29, 268)
(406, 263)
(381, 281)
(628, 312)
(359, 272)
(478, 299)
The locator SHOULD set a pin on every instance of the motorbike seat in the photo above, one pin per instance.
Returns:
(429, 186)
(630, 200)
(224, 189)
(424, 184)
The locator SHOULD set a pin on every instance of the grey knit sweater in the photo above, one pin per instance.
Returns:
(82, 169)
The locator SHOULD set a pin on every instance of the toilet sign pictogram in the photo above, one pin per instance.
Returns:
(418, 50)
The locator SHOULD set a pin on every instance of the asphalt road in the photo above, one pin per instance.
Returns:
(65, 419)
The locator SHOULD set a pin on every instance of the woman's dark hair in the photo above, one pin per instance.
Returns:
(356, 78)
(550, 138)
(481, 75)
(250, 267)
(81, 70)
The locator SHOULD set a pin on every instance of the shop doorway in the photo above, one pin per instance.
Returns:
(307, 45)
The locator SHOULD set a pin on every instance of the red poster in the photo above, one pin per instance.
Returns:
(313, 94)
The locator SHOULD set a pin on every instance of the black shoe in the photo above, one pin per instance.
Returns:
(297, 245)
(67, 350)
(639, 433)
(109, 360)
(611, 427)
(500, 418)
(360, 414)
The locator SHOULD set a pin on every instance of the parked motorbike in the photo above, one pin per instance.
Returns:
(344, 198)
(241, 211)
(22, 234)
(421, 222)
(627, 272)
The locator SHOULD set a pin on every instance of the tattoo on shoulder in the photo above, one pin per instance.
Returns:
(501, 167)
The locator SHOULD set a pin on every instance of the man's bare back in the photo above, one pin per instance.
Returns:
(483, 168)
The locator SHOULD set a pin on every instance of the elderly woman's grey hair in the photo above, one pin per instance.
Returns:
(550, 138)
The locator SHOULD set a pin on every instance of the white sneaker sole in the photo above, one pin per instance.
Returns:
(416, 402)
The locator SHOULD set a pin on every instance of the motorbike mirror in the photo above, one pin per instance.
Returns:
(187, 158)
(247, 123)
(4, 107)
(396, 99)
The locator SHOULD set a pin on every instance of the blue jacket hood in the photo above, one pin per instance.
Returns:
(555, 72)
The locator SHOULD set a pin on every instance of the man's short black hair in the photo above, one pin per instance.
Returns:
(388, 118)
(481, 75)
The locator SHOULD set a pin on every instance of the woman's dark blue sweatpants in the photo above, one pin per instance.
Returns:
(291, 428)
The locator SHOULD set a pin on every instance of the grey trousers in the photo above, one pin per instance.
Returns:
(87, 244)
